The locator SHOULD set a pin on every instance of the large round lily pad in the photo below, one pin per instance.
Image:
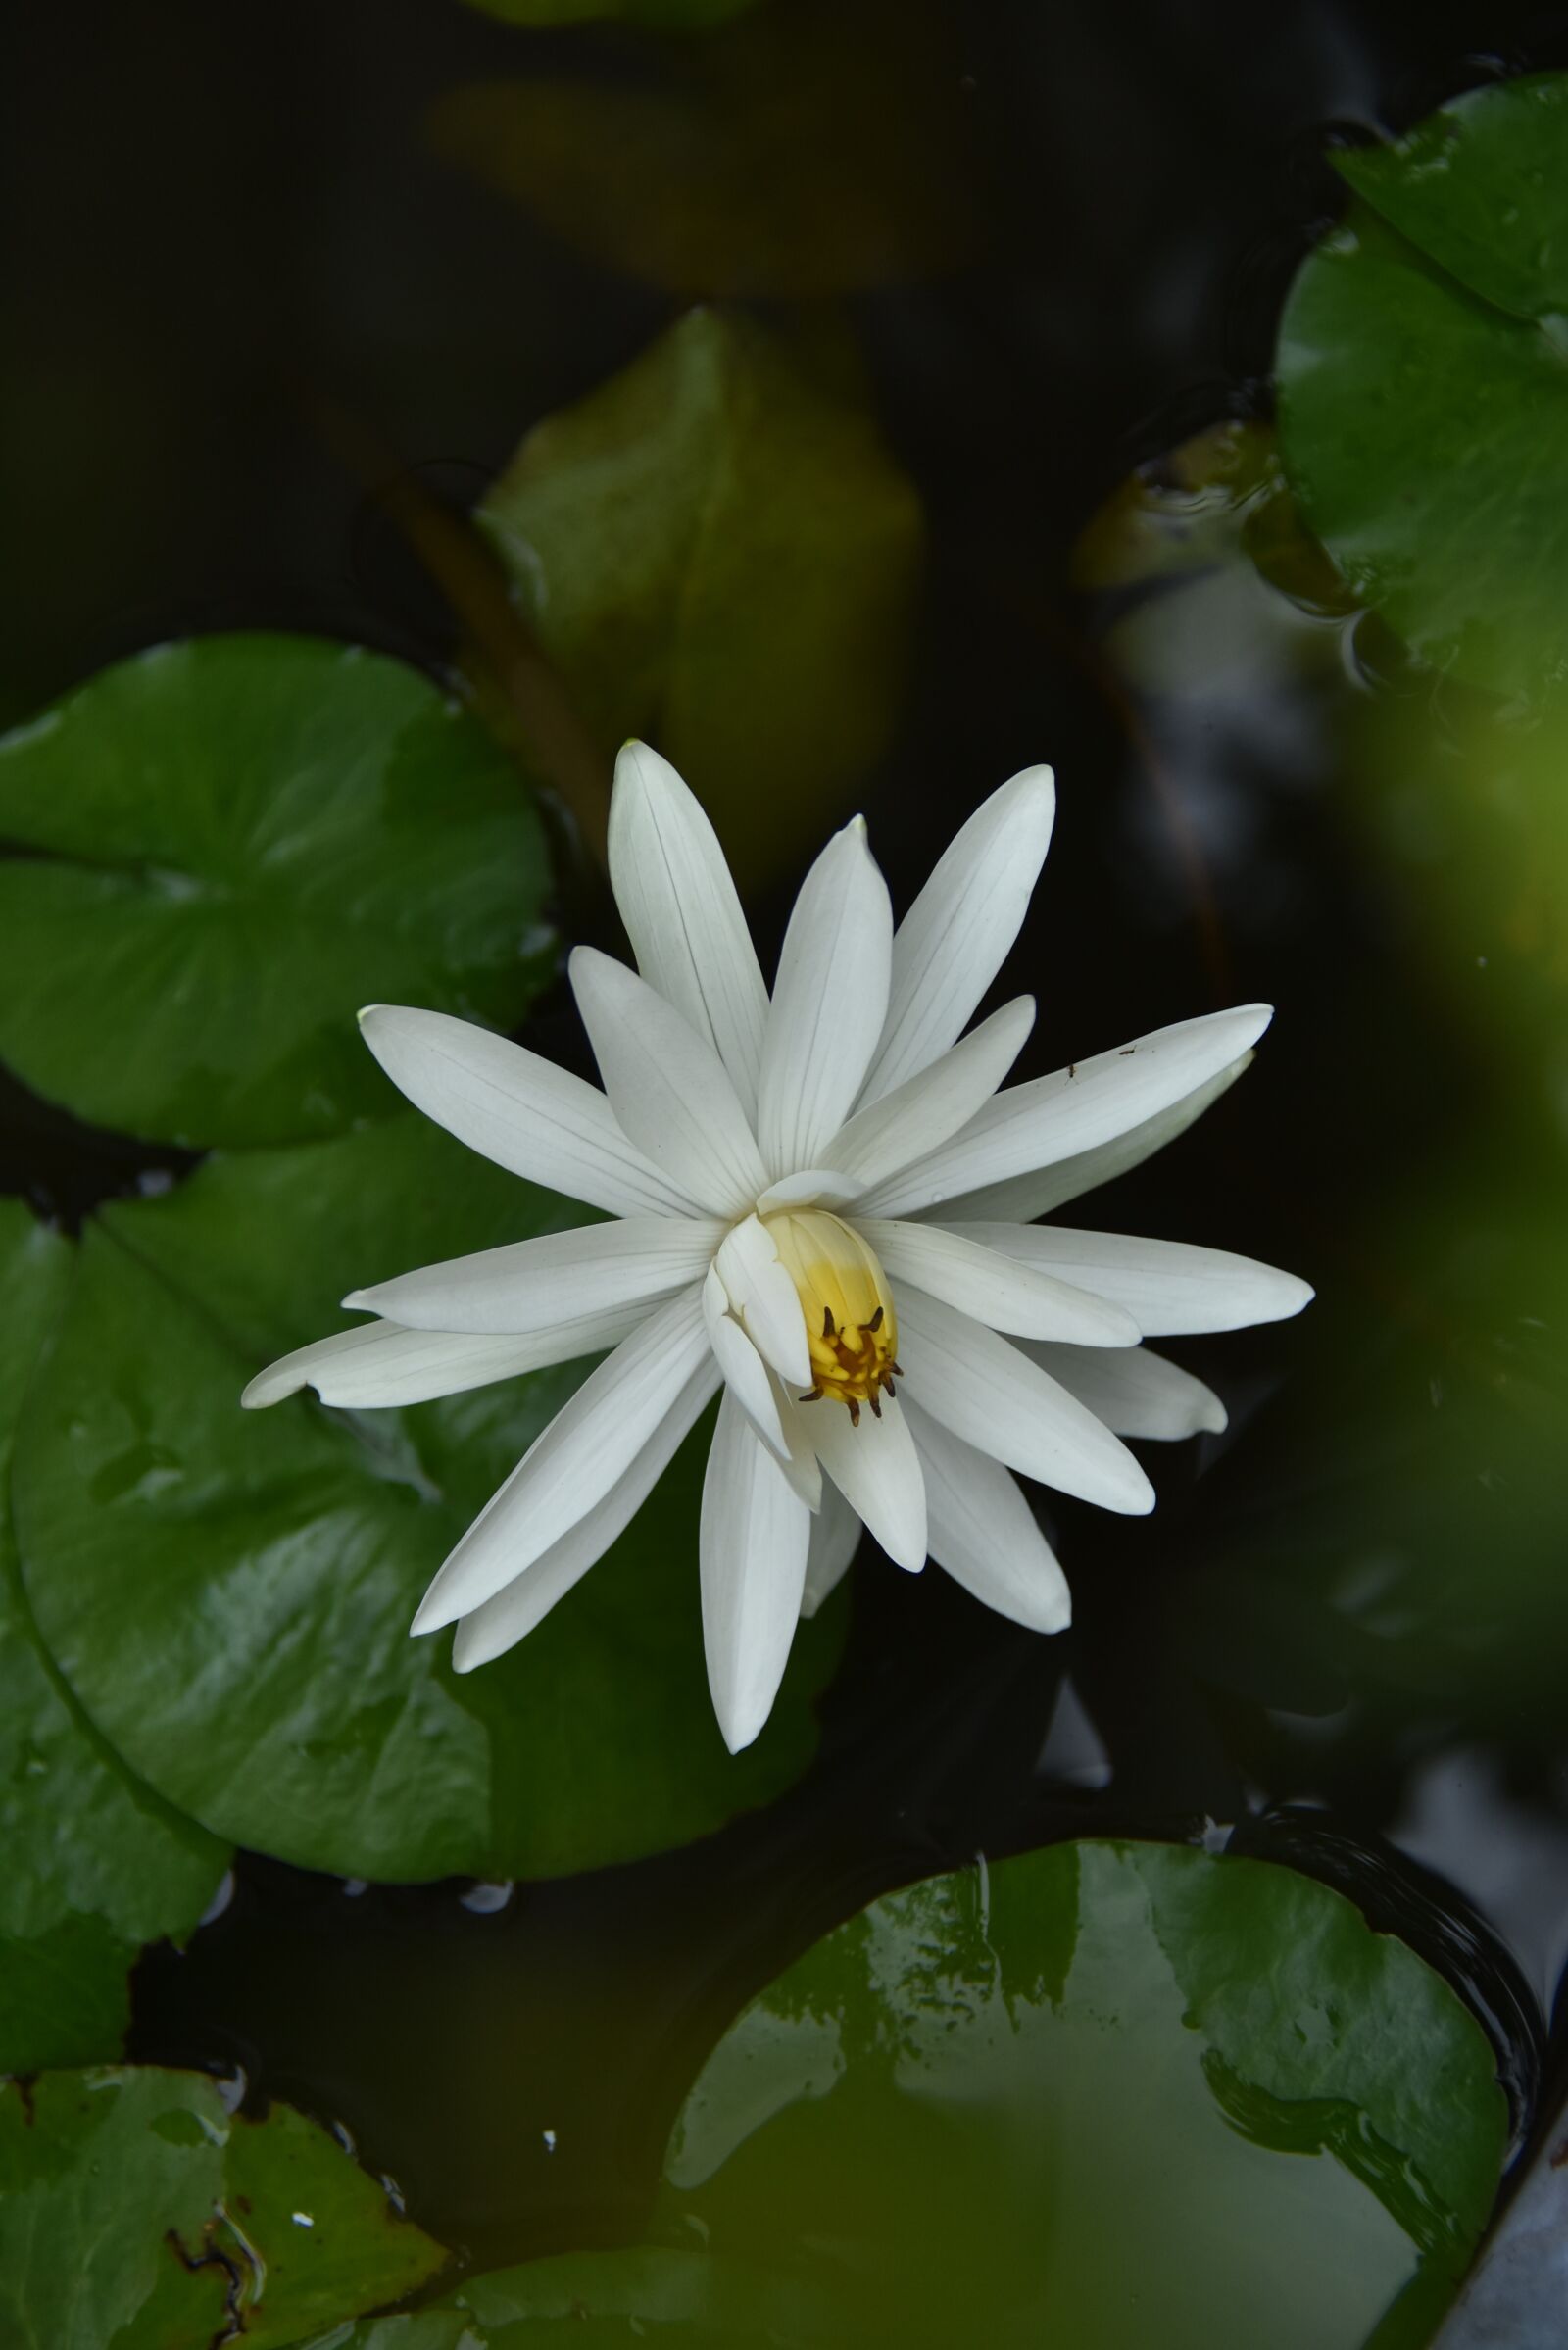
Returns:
(229, 1594)
(93, 1864)
(135, 2210)
(1096, 2081)
(1423, 367)
(229, 846)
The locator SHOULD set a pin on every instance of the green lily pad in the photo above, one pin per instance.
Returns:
(976, 2095)
(95, 1865)
(229, 1594)
(134, 2209)
(1423, 371)
(258, 835)
(596, 2299)
(1480, 188)
(697, 539)
(1035, 2103)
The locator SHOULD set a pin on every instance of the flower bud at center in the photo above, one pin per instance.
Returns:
(851, 1327)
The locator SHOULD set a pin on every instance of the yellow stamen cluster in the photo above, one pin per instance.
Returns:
(851, 1327)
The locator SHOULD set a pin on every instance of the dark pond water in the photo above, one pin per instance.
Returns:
(1342, 1636)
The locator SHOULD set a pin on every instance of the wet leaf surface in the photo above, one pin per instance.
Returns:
(259, 834)
(701, 539)
(967, 2091)
(135, 2210)
(1423, 367)
(228, 1593)
(94, 1864)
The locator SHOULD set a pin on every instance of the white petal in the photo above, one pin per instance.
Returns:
(555, 1278)
(1088, 1102)
(667, 1086)
(996, 1290)
(682, 914)
(829, 1002)
(571, 1465)
(835, 1538)
(877, 1470)
(501, 1622)
(380, 1363)
(1163, 1285)
(926, 1110)
(760, 1394)
(520, 1110)
(752, 1544)
(811, 1187)
(764, 1295)
(1134, 1392)
(956, 936)
(997, 1397)
(983, 1532)
(1019, 1199)
(745, 1372)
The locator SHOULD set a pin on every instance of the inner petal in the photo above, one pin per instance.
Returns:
(850, 1326)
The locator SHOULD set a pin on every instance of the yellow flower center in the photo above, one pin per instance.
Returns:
(851, 1327)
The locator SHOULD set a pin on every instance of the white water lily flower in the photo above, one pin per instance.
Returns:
(823, 1211)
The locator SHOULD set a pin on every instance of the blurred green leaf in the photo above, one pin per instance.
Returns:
(134, 2210)
(94, 1865)
(1408, 1520)
(654, 16)
(230, 846)
(811, 149)
(229, 1594)
(721, 557)
(1034, 2103)
(1423, 369)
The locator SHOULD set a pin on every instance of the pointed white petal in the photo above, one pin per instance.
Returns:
(556, 1278)
(1134, 1392)
(876, 1469)
(956, 936)
(812, 1186)
(996, 1290)
(1019, 1199)
(1163, 1285)
(766, 1401)
(745, 1372)
(835, 1538)
(380, 1363)
(995, 1397)
(829, 1002)
(682, 914)
(764, 1296)
(930, 1107)
(520, 1110)
(667, 1086)
(571, 1465)
(983, 1532)
(501, 1622)
(752, 1544)
(1088, 1102)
